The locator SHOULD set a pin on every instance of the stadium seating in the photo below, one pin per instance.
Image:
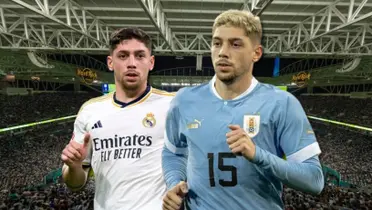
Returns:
(340, 108)
(32, 108)
(28, 157)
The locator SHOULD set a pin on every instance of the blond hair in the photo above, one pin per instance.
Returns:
(245, 20)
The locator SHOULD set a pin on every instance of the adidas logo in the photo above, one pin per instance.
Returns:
(97, 125)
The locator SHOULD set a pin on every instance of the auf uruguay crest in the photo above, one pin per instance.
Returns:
(252, 125)
(149, 121)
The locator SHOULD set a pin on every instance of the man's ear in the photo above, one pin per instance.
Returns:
(110, 64)
(258, 51)
(152, 62)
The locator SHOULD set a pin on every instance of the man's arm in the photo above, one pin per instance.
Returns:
(304, 176)
(174, 167)
(75, 176)
(174, 156)
(301, 170)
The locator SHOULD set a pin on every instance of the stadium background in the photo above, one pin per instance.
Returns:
(52, 60)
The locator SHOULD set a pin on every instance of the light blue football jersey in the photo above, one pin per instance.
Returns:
(217, 179)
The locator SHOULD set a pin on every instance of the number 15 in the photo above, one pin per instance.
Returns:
(222, 167)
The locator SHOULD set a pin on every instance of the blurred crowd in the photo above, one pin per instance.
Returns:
(28, 155)
(33, 153)
(339, 108)
(16, 110)
(349, 153)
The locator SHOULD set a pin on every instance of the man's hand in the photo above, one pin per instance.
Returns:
(74, 153)
(240, 143)
(174, 197)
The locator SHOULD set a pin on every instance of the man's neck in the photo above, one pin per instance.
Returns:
(233, 90)
(127, 96)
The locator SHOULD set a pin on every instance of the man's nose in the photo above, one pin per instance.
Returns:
(131, 62)
(223, 53)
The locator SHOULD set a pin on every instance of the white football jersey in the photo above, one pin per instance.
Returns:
(125, 149)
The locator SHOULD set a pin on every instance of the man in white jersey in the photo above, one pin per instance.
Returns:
(121, 135)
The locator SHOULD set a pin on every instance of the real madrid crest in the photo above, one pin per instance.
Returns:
(252, 125)
(149, 121)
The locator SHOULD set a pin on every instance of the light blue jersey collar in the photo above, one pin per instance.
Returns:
(254, 83)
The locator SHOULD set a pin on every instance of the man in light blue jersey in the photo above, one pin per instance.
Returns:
(226, 140)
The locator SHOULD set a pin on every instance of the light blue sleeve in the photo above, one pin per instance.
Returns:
(174, 156)
(301, 170)
(306, 176)
(294, 132)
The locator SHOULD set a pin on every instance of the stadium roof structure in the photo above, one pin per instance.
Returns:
(292, 28)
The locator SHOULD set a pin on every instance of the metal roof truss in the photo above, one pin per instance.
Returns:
(297, 28)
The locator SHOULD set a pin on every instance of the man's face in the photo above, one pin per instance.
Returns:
(233, 53)
(131, 62)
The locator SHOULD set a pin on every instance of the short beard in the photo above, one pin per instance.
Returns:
(129, 87)
(228, 80)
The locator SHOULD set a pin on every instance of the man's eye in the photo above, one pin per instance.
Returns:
(236, 45)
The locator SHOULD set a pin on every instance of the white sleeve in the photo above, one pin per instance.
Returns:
(80, 129)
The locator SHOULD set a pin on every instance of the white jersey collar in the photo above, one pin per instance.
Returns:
(254, 83)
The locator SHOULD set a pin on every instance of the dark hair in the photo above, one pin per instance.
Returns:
(129, 33)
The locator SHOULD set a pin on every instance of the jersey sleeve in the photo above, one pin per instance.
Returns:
(296, 136)
(80, 129)
(174, 140)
